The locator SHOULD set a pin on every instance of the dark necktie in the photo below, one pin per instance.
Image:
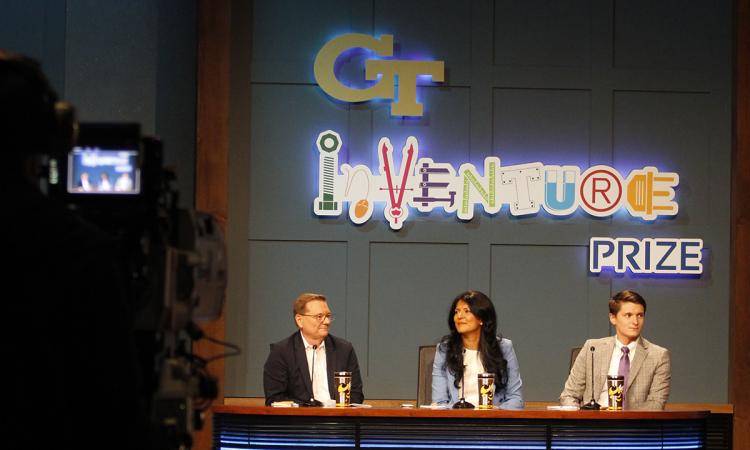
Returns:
(624, 371)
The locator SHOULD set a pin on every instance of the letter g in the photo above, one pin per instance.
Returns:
(326, 59)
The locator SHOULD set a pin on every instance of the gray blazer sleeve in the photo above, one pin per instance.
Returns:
(660, 383)
(575, 385)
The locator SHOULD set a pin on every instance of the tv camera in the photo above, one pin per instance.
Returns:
(173, 262)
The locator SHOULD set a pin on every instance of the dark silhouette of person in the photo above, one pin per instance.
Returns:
(67, 341)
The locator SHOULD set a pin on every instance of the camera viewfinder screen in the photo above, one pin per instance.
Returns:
(92, 170)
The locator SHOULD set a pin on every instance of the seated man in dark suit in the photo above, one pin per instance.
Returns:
(291, 372)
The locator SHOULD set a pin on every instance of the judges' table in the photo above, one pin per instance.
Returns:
(260, 427)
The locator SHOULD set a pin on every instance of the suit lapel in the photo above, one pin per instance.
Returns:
(637, 362)
(330, 364)
(601, 363)
(300, 359)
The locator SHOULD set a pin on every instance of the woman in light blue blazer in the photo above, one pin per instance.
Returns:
(474, 345)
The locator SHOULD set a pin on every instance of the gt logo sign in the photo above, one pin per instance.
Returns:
(405, 70)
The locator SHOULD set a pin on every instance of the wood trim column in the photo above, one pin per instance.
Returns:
(212, 169)
(739, 345)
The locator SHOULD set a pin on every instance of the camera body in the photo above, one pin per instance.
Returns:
(114, 178)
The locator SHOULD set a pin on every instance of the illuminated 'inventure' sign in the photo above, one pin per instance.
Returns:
(424, 184)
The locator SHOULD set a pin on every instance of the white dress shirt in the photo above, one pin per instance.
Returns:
(320, 378)
(474, 367)
(614, 366)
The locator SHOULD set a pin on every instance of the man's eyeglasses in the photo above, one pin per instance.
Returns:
(320, 317)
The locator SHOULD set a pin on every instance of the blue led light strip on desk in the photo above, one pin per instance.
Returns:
(241, 431)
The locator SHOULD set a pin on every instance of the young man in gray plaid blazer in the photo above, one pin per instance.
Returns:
(646, 366)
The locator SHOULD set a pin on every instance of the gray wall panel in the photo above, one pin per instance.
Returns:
(317, 21)
(125, 56)
(551, 126)
(547, 125)
(278, 55)
(411, 290)
(447, 38)
(284, 164)
(543, 33)
(28, 39)
(37, 28)
(668, 130)
(543, 319)
(664, 35)
(176, 81)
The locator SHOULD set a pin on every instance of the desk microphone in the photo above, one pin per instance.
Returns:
(312, 401)
(592, 404)
(462, 403)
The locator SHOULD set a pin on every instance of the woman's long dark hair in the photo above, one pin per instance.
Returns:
(489, 345)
